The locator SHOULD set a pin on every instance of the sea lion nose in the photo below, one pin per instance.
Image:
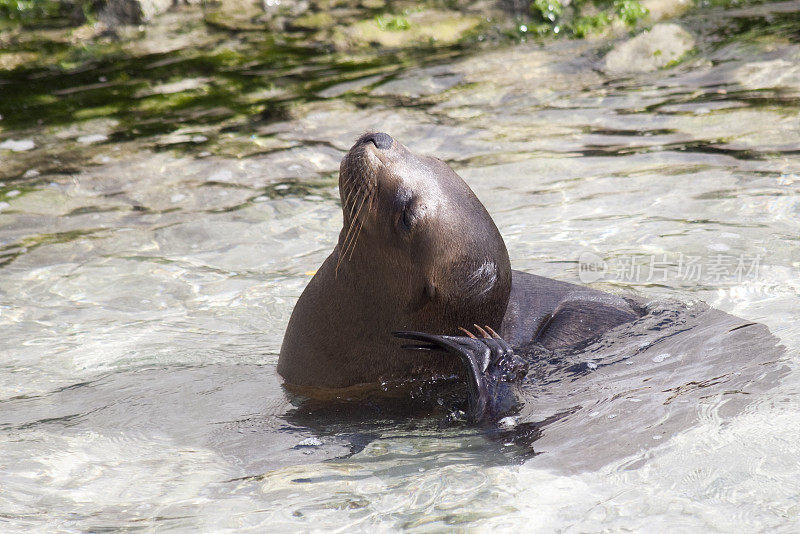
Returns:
(381, 140)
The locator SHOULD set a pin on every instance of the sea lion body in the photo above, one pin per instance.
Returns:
(419, 258)
(559, 314)
(419, 252)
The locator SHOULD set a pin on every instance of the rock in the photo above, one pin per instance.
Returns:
(423, 82)
(665, 9)
(20, 145)
(241, 15)
(417, 28)
(12, 60)
(649, 51)
(286, 8)
(313, 21)
(345, 87)
(115, 12)
(278, 13)
(92, 138)
(770, 74)
(186, 84)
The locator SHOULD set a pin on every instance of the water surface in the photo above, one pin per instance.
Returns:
(146, 279)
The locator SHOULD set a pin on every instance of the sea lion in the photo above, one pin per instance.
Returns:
(417, 251)
(419, 258)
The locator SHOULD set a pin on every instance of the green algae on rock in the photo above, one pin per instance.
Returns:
(417, 28)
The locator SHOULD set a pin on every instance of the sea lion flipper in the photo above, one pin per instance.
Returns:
(494, 370)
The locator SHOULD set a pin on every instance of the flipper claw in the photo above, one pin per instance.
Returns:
(491, 331)
(469, 334)
(481, 331)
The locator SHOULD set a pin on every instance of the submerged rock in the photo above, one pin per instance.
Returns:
(425, 82)
(649, 51)
(348, 86)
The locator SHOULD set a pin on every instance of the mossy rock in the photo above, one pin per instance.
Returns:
(324, 5)
(235, 15)
(415, 29)
(313, 21)
(12, 60)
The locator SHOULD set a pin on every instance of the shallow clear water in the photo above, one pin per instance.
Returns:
(143, 298)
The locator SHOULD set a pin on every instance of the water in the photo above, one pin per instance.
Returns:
(147, 278)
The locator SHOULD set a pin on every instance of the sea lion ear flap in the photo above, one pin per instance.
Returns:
(422, 299)
(430, 289)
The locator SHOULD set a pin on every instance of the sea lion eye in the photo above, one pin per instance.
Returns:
(407, 219)
(405, 204)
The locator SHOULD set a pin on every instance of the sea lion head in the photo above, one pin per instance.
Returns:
(413, 218)
(417, 251)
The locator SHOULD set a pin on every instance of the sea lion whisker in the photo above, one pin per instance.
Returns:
(347, 193)
(344, 246)
(356, 196)
(369, 201)
(354, 193)
(372, 196)
(355, 239)
(357, 206)
(354, 230)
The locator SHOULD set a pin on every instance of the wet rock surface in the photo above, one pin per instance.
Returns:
(650, 50)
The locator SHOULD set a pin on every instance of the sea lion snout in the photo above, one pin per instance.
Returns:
(381, 140)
